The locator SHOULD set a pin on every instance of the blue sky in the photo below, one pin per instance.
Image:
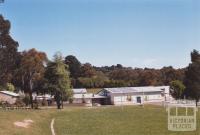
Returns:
(136, 33)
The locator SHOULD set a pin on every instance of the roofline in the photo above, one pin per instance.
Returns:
(102, 90)
(90, 97)
(107, 89)
(138, 87)
(3, 92)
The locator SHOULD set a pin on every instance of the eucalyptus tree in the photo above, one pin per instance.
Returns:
(8, 52)
(31, 71)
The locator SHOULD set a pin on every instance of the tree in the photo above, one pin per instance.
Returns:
(10, 87)
(97, 81)
(150, 77)
(169, 74)
(32, 68)
(119, 66)
(87, 70)
(192, 80)
(124, 74)
(177, 89)
(74, 66)
(58, 80)
(8, 52)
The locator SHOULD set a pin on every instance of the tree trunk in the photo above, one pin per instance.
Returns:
(197, 100)
(58, 100)
(23, 82)
(31, 99)
(30, 92)
(62, 100)
(58, 104)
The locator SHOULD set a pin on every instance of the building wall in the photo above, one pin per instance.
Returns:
(77, 101)
(117, 99)
(153, 97)
(7, 98)
(80, 101)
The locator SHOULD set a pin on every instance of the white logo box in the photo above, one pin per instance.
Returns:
(182, 122)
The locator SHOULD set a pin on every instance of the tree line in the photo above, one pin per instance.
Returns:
(31, 71)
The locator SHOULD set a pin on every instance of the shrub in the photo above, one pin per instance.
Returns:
(10, 87)
(26, 100)
(44, 102)
(71, 100)
(5, 104)
(19, 103)
(35, 104)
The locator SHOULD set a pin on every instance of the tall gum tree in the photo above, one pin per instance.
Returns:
(8, 52)
(32, 68)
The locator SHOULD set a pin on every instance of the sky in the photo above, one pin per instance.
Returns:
(134, 33)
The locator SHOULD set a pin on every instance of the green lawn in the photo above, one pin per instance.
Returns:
(130, 120)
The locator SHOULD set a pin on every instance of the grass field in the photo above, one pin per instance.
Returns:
(41, 118)
(130, 120)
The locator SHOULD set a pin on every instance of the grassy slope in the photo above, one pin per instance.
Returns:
(130, 120)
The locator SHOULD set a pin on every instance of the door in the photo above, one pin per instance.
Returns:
(139, 100)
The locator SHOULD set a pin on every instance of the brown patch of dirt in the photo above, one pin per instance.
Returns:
(23, 124)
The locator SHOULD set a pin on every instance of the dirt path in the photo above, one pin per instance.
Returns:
(52, 128)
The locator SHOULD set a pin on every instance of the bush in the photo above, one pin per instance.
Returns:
(5, 104)
(19, 103)
(44, 102)
(1, 103)
(71, 100)
(10, 87)
(35, 104)
(26, 100)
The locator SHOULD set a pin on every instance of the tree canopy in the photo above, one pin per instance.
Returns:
(8, 52)
(31, 71)
(177, 89)
(74, 66)
(58, 81)
(192, 80)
